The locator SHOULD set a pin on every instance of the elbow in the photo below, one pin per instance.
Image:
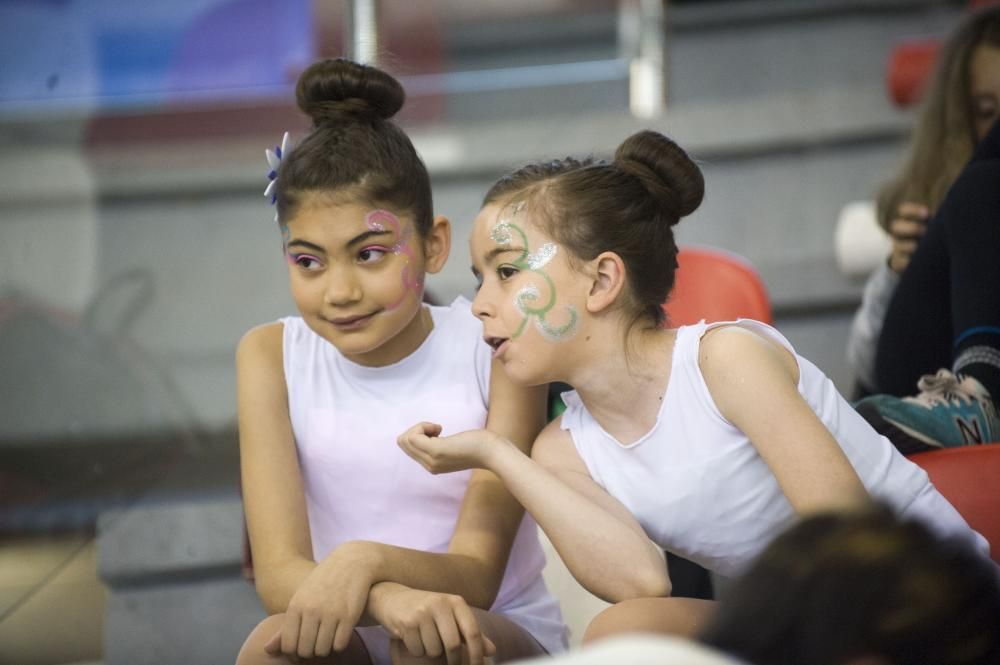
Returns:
(641, 586)
(483, 596)
(271, 595)
(654, 586)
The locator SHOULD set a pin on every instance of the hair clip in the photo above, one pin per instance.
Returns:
(274, 161)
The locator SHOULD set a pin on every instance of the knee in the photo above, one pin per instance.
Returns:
(252, 652)
(680, 617)
(614, 620)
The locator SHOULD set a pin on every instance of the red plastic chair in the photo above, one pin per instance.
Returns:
(911, 62)
(908, 70)
(967, 477)
(716, 285)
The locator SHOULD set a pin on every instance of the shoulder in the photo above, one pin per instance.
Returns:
(554, 448)
(731, 349)
(260, 370)
(742, 369)
(261, 344)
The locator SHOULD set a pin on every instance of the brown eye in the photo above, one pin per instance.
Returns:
(371, 254)
(505, 272)
(307, 262)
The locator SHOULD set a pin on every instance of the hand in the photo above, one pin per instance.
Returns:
(322, 614)
(428, 624)
(472, 449)
(905, 229)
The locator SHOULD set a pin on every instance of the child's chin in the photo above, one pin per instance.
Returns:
(524, 376)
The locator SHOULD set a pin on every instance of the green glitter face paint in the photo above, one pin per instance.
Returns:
(529, 300)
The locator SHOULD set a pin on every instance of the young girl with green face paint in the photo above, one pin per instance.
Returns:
(359, 555)
(705, 440)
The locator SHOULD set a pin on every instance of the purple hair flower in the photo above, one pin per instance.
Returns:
(274, 158)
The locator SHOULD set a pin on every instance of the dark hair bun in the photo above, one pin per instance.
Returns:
(667, 172)
(338, 90)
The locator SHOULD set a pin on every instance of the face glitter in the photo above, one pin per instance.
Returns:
(538, 260)
(529, 297)
(383, 220)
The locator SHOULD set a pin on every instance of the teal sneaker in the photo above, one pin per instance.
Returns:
(949, 411)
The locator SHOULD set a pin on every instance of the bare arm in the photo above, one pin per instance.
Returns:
(272, 483)
(754, 383)
(489, 518)
(323, 601)
(600, 541)
(619, 561)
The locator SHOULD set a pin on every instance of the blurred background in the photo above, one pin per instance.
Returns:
(136, 246)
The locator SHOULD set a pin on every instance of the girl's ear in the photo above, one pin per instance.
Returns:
(608, 272)
(437, 244)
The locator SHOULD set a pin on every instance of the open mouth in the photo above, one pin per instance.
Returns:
(495, 342)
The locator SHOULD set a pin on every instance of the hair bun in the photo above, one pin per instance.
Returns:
(338, 90)
(665, 169)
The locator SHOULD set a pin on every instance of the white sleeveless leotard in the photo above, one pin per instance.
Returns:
(700, 489)
(359, 485)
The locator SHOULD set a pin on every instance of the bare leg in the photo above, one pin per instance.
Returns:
(512, 642)
(252, 652)
(683, 617)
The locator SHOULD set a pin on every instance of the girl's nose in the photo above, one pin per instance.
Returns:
(481, 305)
(341, 288)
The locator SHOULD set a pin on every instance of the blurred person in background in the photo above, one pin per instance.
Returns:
(930, 315)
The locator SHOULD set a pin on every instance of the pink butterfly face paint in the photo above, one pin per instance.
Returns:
(412, 278)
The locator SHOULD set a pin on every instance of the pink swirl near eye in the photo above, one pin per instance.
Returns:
(383, 220)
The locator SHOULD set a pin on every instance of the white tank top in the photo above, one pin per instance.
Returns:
(359, 485)
(697, 484)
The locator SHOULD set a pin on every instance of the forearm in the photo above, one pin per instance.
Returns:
(445, 572)
(377, 595)
(277, 583)
(613, 560)
(866, 327)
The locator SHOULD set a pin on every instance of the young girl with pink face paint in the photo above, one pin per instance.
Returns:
(359, 555)
(705, 440)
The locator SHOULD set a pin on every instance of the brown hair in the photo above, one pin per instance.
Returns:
(354, 148)
(841, 586)
(627, 206)
(944, 135)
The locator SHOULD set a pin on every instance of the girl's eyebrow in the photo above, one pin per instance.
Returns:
(305, 244)
(366, 235)
(497, 251)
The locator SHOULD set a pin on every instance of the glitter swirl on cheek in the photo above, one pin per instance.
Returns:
(559, 333)
(527, 299)
(383, 220)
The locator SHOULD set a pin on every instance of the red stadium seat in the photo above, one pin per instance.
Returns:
(967, 477)
(910, 65)
(716, 285)
(908, 71)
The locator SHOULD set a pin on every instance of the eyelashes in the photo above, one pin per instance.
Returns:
(367, 255)
(372, 254)
(306, 261)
